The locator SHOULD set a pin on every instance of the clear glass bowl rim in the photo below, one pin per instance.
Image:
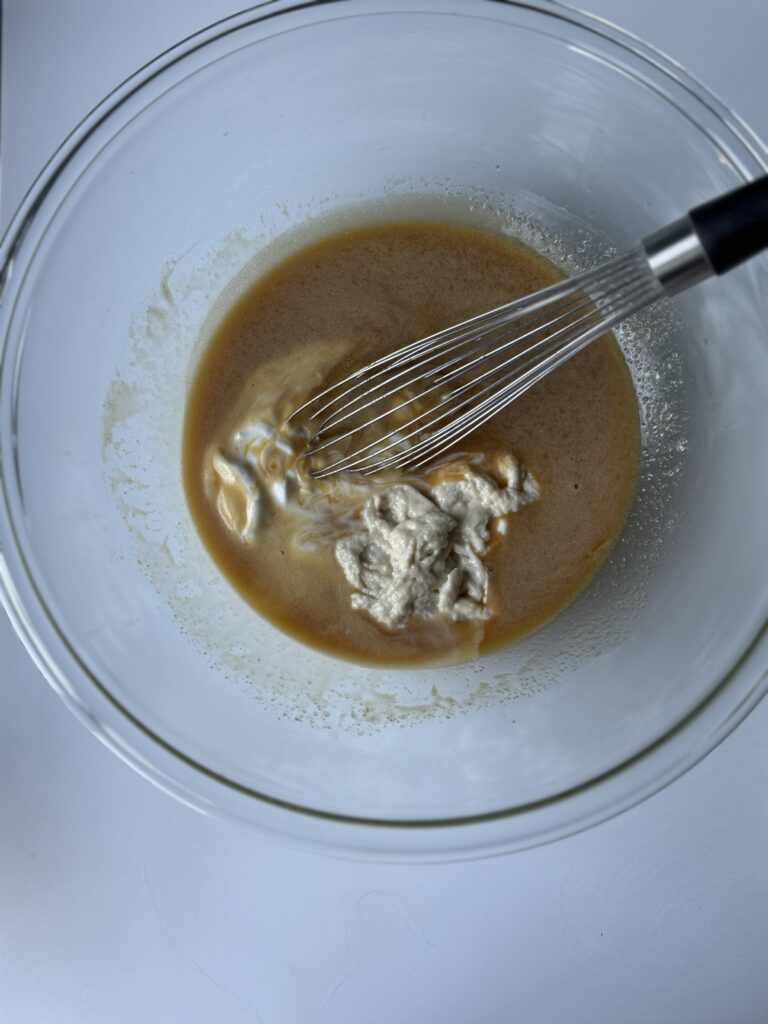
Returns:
(336, 841)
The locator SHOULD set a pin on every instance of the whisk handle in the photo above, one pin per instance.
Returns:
(733, 227)
(711, 239)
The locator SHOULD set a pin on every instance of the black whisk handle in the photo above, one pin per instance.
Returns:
(733, 227)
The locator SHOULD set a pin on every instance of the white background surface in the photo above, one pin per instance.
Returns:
(118, 905)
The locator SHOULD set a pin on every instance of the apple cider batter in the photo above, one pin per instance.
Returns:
(556, 469)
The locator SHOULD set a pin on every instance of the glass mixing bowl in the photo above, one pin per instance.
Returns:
(207, 165)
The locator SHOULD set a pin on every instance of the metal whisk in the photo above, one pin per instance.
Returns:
(407, 408)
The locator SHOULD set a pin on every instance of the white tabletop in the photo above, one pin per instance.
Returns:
(118, 905)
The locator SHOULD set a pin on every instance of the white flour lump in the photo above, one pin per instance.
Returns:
(419, 553)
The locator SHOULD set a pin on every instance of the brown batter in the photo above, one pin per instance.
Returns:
(362, 293)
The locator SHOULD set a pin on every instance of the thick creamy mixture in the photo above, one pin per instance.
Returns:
(393, 569)
(410, 549)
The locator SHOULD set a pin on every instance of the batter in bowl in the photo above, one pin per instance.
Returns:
(476, 552)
